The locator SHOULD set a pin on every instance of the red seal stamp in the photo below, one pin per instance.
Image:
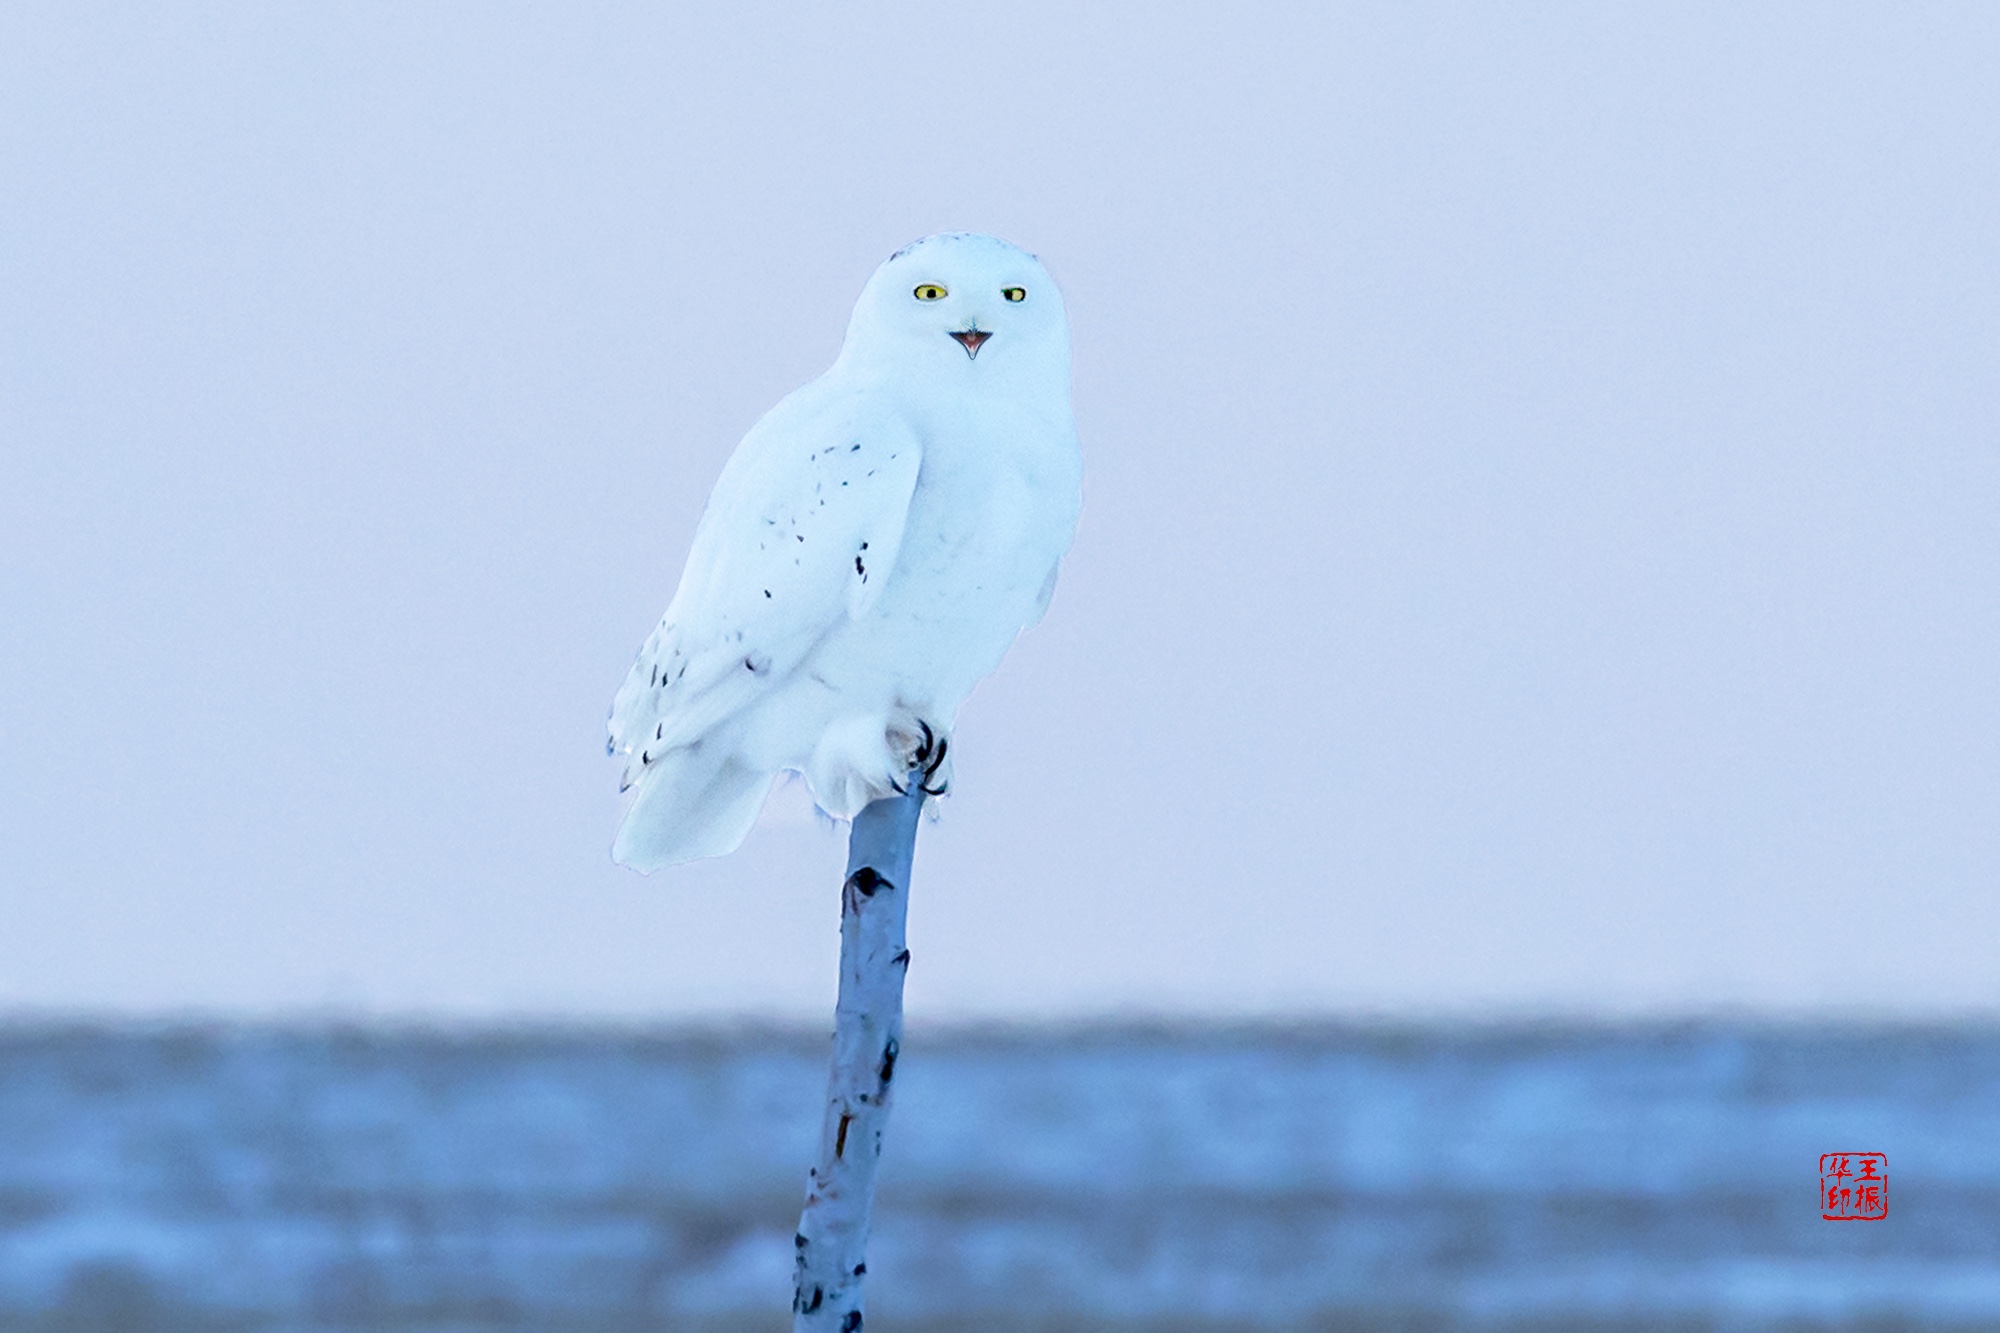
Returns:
(1853, 1186)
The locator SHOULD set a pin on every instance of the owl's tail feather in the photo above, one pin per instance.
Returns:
(689, 805)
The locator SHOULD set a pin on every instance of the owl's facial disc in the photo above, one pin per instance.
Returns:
(971, 340)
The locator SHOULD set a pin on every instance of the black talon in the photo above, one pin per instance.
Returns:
(927, 758)
(931, 768)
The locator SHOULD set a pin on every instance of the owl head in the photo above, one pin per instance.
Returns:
(961, 310)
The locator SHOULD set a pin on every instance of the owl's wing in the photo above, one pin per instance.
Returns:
(800, 533)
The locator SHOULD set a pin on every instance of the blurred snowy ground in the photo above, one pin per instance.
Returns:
(1044, 1179)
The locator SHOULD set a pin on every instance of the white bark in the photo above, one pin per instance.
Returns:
(868, 1032)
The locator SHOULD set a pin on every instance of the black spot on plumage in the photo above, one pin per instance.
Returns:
(859, 1269)
(861, 569)
(852, 448)
(767, 592)
(852, 1323)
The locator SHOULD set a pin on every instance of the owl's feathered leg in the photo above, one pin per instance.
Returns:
(853, 763)
(860, 759)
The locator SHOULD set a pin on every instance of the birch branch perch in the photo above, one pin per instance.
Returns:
(867, 1035)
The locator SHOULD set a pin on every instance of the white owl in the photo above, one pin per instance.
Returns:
(871, 551)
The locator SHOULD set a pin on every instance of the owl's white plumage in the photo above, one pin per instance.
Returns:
(872, 549)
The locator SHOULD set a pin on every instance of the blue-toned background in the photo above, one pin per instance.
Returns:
(1538, 539)
(1065, 1178)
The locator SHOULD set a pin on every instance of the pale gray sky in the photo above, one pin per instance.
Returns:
(1540, 532)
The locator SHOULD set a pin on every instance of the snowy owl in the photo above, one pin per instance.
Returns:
(870, 552)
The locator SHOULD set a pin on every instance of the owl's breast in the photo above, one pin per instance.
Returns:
(991, 507)
(989, 517)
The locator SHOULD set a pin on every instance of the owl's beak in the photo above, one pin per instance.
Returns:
(971, 340)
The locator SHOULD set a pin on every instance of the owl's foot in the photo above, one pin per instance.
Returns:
(926, 759)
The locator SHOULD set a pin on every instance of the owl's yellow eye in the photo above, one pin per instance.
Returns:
(1014, 293)
(930, 291)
